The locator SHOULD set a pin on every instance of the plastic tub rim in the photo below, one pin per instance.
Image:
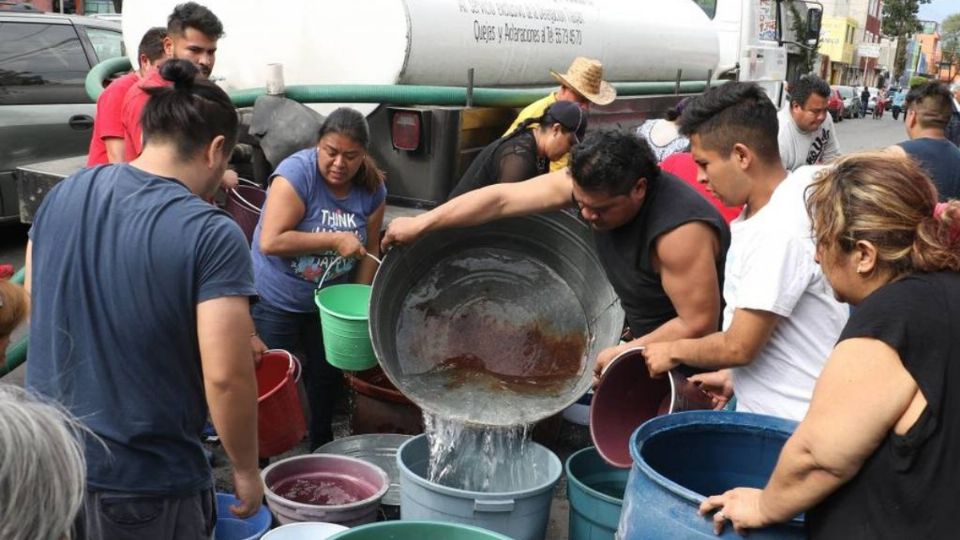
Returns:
(229, 515)
(576, 481)
(474, 495)
(419, 522)
(268, 491)
(303, 524)
(321, 307)
(689, 418)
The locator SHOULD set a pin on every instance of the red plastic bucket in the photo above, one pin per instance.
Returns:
(280, 422)
(627, 397)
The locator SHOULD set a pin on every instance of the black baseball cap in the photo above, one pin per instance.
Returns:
(571, 116)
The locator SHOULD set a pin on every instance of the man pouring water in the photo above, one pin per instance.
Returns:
(660, 243)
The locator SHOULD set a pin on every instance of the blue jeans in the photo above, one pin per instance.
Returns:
(300, 334)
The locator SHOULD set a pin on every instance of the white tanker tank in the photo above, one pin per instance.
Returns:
(435, 42)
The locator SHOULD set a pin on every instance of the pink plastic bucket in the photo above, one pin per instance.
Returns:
(627, 397)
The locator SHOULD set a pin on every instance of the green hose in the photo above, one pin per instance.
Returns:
(402, 94)
(16, 353)
(103, 71)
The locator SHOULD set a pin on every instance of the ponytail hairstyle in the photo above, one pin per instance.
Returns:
(351, 124)
(890, 202)
(191, 113)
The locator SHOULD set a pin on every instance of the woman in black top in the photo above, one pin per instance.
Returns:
(524, 152)
(878, 454)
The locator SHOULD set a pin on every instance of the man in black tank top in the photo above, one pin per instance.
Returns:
(661, 243)
(929, 108)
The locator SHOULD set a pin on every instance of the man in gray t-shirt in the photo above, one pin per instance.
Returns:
(806, 135)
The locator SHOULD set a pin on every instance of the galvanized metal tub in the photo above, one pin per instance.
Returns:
(531, 286)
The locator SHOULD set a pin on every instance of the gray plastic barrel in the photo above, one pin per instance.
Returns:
(522, 515)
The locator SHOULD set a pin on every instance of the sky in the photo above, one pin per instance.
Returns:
(937, 10)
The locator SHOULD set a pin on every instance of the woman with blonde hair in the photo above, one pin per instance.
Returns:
(876, 454)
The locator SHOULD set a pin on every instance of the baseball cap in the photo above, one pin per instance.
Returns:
(571, 116)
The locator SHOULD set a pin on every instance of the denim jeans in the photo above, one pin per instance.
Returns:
(299, 333)
(130, 516)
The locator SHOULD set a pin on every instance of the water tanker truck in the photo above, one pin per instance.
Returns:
(439, 79)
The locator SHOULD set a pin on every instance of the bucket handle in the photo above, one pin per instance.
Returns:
(244, 202)
(334, 263)
(493, 505)
(294, 363)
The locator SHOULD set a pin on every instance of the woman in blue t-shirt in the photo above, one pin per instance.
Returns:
(324, 207)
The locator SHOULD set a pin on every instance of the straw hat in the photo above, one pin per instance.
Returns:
(585, 77)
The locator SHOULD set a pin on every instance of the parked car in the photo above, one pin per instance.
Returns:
(45, 112)
(835, 105)
(851, 101)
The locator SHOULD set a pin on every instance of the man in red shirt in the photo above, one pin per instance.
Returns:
(192, 34)
(106, 145)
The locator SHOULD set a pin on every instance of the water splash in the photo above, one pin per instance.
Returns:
(486, 459)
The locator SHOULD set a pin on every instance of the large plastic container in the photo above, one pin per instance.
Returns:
(680, 459)
(417, 530)
(364, 483)
(595, 491)
(230, 527)
(521, 515)
(280, 421)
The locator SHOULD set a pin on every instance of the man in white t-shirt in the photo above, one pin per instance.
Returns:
(781, 319)
(806, 135)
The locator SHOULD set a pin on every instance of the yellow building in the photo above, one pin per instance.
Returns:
(836, 42)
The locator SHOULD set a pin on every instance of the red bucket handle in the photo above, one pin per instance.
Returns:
(294, 365)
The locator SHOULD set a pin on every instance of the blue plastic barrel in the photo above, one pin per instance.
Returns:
(680, 459)
(230, 527)
(595, 491)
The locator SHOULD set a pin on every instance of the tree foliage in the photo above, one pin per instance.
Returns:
(899, 20)
(950, 38)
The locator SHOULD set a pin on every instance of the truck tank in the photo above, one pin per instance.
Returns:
(434, 42)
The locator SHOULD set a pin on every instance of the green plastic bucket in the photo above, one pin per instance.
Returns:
(344, 313)
(417, 530)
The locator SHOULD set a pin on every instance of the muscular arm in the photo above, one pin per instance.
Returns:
(278, 234)
(368, 266)
(686, 260)
(551, 191)
(223, 331)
